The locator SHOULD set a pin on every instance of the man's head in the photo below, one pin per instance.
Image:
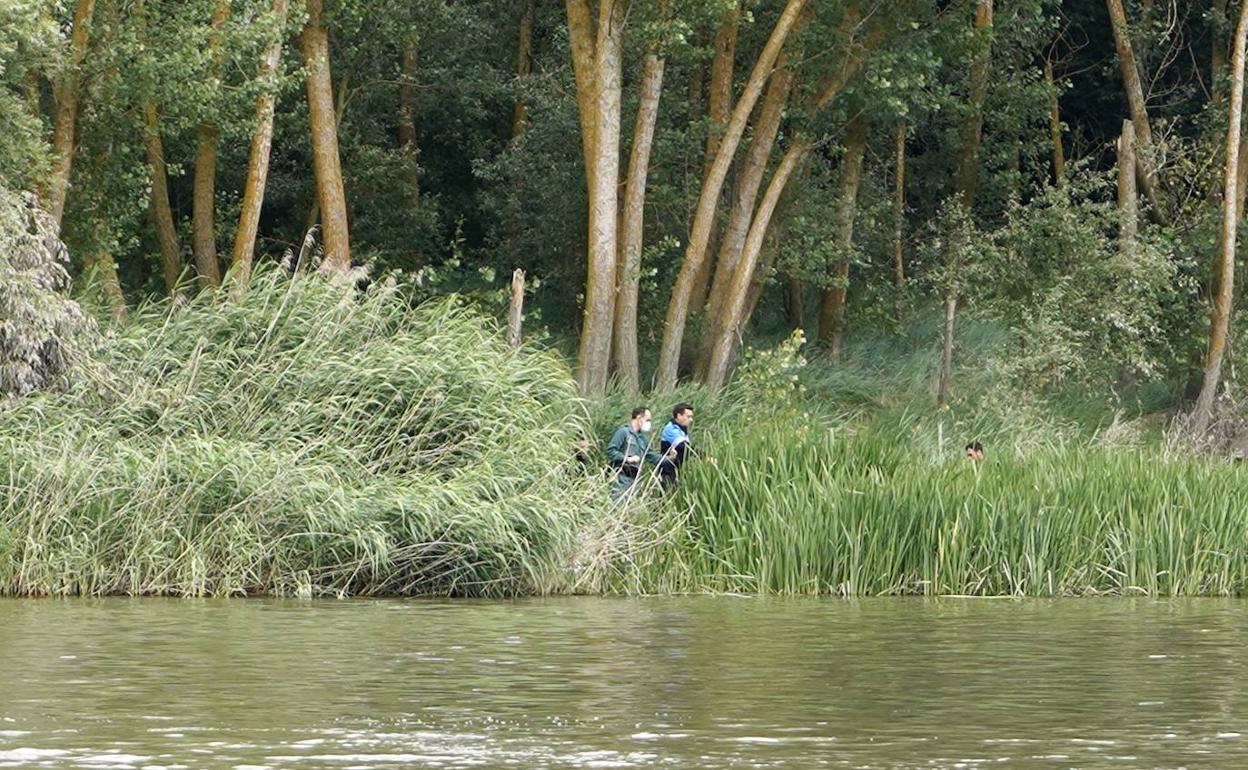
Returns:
(682, 414)
(641, 419)
(975, 451)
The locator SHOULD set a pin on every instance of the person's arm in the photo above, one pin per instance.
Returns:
(653, 456)
(616, 447)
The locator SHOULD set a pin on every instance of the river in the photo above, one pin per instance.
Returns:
(713, 682)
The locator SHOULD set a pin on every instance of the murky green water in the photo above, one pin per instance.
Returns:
(705, 682)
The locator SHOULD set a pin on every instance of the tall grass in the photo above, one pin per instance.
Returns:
(305, 440)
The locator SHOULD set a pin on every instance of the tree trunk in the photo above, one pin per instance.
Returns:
(340, 107)
(102, 263)
(515, 313)
(1146, 155)
(832, 301)
(524, 63)
(1128, 210)
(161, 211)
(67, 111)
(795, 303)
(899, 223)
(700, 233)
(603, 74)
(1055, 124)
(723, 344)
(749, 180)
(1221, 321)
(407, 121)
(719, 100)
(258, 160)
(327, 165)
(627, 289)
(967, 180)
(203, 215)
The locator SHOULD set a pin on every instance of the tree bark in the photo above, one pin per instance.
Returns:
(340, 107)
(258, 160)
(700, 233)
(603, 74)
(723, 344)
(327, 164)
(407, 121)
(1128, 210)
(1146, 155)
(1221, 321)
(524, 64)
(515, 313)
(832, 301)
(719, 100)
(627, 282)
(899, 222)
(1055, 124)
(203, 214)
(102, 263)
(749, 180)
(160, 209)
(67, 111)
(967, 180)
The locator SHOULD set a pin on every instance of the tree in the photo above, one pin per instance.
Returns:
(203, 213)
(966, 181)
(258, 159)
(832, 304)
(1202, 413)
(326, 162)
(67, 111)
(700, 232)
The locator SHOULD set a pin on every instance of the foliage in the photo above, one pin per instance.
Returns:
(305, 440)
(43, 334)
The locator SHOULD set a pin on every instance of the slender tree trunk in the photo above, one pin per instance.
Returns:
(719, 100)
(749, 180)
(832, 302)
(1055, 124)
(603, 74)
(258, 160)
(899, 222)
(627, 288)
(66, 92)
(203, 215)
(795, 303)
(515, 313)
(967, 180)
(340, 107)
(1221, 321)
(327, 164)
(724, 346)
(102, 263)
(161, 211)
(524, 63)
(1128, 210)
(407, 121)
(1146, 155)
(700, 233)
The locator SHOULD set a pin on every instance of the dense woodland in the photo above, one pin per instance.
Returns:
(674, 176)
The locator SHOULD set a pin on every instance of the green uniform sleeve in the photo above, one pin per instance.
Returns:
(616, 447)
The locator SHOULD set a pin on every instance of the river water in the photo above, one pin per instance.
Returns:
(579, 683)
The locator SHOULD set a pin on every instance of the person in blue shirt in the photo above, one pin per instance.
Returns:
(674, 443)
(628, 451)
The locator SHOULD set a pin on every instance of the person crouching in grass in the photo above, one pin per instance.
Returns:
(628, 451)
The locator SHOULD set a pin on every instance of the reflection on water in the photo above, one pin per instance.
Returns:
(572, 683)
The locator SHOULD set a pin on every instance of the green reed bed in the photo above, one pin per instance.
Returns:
(306, 440)
(793, 507)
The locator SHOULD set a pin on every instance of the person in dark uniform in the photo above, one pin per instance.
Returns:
(674, 444)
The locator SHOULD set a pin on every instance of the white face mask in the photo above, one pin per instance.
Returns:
(645, 427)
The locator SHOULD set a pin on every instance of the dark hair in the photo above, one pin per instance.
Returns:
(639, 411)
(975, 445)
(680, 409)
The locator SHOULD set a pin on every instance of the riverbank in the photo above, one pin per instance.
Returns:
(313, 440)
